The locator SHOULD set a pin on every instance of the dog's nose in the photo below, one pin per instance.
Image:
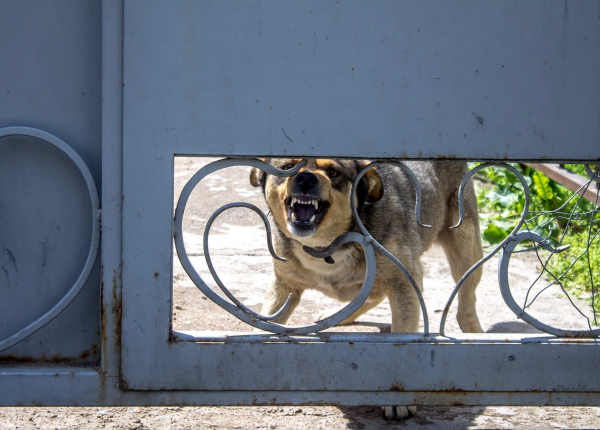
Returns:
(306, 181)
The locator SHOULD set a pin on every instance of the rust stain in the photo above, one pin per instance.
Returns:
(124, 384)
(26, 359)
(56, 358)
(115, 312)
(102, 314)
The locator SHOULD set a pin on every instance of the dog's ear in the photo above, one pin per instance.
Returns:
(371, 182)
(257, 176)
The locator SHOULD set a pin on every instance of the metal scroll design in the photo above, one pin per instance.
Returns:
(509, 244)
(237, 309)
(265, 322)
(380, 247)
(481, 262)
(369, 244)
(541, 242)
(94, 245)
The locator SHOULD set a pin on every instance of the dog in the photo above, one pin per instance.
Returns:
(312, 208)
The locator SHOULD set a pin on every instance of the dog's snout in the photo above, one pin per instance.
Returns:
(306, 181)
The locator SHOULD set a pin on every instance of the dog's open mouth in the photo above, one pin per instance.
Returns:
(305, 212)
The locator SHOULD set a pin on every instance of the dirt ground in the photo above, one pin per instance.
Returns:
(317, 418)
(238, 247)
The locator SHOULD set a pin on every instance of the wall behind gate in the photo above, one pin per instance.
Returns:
(50, 78)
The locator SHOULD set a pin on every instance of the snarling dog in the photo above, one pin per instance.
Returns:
(312, 208)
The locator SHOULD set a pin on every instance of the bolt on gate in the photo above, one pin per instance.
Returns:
(113, 98)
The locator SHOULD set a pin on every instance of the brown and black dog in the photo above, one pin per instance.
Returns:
(312, 208)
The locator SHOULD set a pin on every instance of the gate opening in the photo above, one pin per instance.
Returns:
(239, 253)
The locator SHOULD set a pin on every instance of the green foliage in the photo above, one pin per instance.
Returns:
(501, 194)
(501, 201)
(542, 186)
(577, 278)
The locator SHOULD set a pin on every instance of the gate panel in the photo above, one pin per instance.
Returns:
(478, 80)
(51, 81)
(374, 80)
(379, 80)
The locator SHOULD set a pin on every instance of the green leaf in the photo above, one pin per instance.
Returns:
(542, 186)
(505, 225)
(494, 234)
(512, 179)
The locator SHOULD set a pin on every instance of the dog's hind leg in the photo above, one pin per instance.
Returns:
(463, 249)
(276, 296)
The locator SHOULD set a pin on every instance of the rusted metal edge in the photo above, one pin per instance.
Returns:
(74, 387)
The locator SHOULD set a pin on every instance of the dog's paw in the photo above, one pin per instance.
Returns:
(398, 412)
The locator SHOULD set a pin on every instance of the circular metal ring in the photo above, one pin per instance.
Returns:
(93, 250)
(514, 306)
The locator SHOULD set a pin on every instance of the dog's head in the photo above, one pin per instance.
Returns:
(313, 206)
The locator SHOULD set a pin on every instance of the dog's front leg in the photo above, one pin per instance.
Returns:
(276, 296)
(405, 319)
(405, 307)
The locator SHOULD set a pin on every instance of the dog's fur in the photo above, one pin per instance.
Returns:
(386, 206)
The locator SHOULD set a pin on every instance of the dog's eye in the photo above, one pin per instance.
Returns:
(287, 166)
(332, 173)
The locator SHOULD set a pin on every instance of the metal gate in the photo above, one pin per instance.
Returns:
(384, 80)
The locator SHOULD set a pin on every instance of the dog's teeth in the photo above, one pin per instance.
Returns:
(316, 202)
(312, 219)
(293, 202)
(294, 217)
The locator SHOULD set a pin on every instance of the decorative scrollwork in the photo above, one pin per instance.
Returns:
(369, 244)
(519, 311)
(94, 245)
(380, 247)
(236, 308)
(469, 272)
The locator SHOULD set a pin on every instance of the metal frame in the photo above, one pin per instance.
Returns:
(406, 363)
(473, 369)
(202, 361)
